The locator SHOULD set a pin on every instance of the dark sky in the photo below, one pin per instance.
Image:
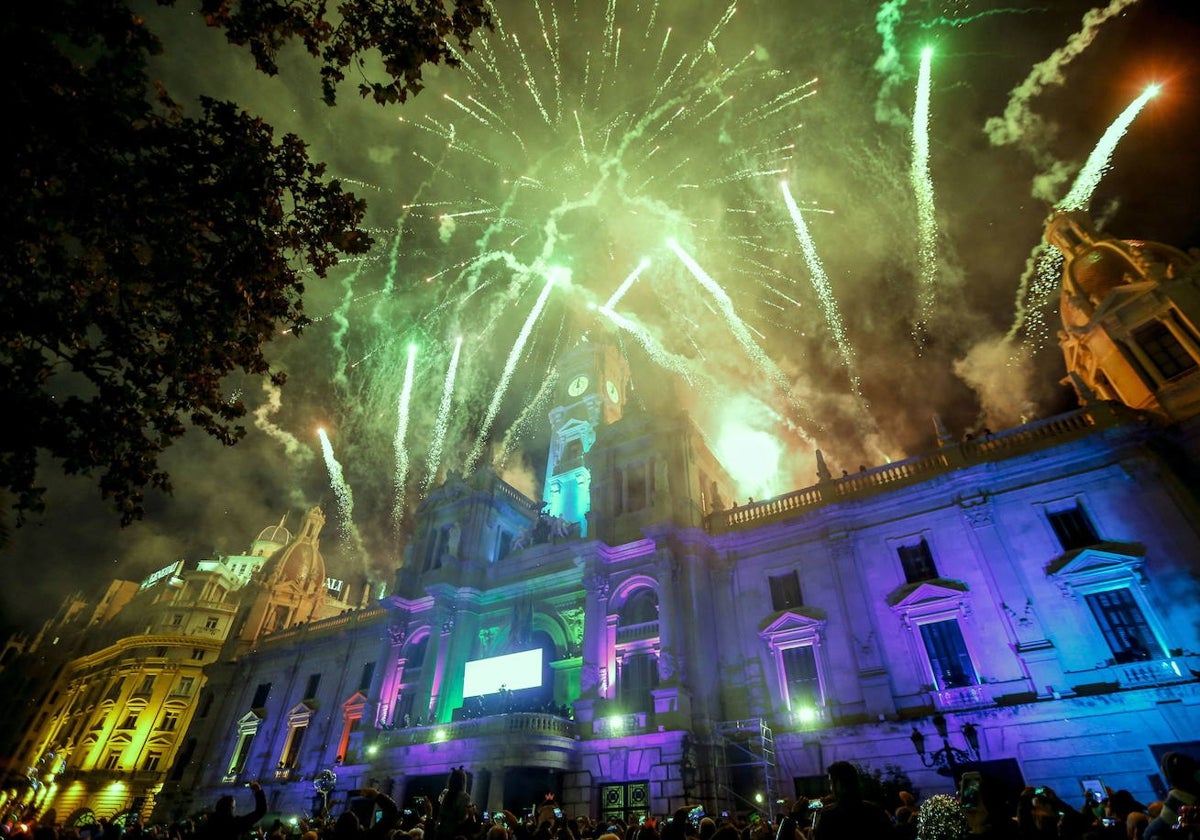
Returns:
(496, 177)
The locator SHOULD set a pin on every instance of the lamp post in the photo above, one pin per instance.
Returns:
(948, 760)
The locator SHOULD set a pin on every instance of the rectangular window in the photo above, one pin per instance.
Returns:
(310, 690)
(185, 687)
(176, 619)
(635, 488)
(112, 761)
(198, 654)
(242, 752)
(147, 685)
(364, 680)
(151, 761)
(170, 720)
(1165, 352)
(948, 655)
(130, 721)
(917, 561)
(1073, 528)
(785, 591)
(1124, 627)
(114, 690)
(639, 675)
(291, 755)
(260, 696)
(800, 671)
(210, 623)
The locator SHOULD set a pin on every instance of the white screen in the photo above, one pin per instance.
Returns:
(514, 671)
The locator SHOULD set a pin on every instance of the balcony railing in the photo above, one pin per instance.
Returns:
(637, 632)
(518, 724)
(1145, 674)
(958, 699)
(1052, 431)
(614, 726)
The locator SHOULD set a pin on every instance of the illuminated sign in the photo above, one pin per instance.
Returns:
(334, 585)
(514, 671)
(165, 571)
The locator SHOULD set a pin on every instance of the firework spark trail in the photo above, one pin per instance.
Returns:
(660, 355)
(1043, 270)
(400, 443)
(1019, 125)
(433, 461)
(534, 408)
(820, 282)
(632, 161)
(737, 326)
(510, 365)
(922, 185)
(342, 493)
(642, 265)
(1100, 160)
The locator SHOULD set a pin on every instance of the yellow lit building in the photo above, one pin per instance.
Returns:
(109, 727)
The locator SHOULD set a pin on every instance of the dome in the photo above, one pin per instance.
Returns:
(271, 539)
(1095, 265)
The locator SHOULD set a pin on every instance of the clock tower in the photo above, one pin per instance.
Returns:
(592, 385)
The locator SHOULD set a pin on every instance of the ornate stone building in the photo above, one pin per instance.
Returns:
(1025, 602)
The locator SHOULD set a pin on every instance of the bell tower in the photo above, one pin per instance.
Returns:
(592, 386)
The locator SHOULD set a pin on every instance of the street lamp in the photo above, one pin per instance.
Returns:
(948, 759)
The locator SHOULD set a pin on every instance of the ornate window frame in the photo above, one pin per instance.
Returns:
(932, 602)
(796, 628)
(1095, 570)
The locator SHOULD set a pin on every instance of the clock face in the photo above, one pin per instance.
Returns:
(578, 385)
(613, 393)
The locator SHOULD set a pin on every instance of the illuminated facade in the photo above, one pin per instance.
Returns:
(1025, 602)
(124, 674)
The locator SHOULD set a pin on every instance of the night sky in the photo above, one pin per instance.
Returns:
(497, 177)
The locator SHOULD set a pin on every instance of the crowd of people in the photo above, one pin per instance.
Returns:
(983, 809)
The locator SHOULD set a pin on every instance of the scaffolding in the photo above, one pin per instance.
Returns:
(752, 741)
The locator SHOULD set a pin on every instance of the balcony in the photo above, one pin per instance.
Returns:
(1133, 675)
(617, 726)
(637, 632)
(514, 724)
(960, 699)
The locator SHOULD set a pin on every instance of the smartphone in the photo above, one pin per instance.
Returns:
(725, 814)
(1093, 789)
(485, 816)
(968, 795)
(558, 813)
(816, 805)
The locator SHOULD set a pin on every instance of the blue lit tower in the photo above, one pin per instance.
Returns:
(593, 380)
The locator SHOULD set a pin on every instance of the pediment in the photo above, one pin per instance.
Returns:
(1102, 560)
(912, 596)
(252, 717)
(791, 622)
(355, 702)
(302, 711)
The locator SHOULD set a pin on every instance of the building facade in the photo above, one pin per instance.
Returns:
(1024, 602)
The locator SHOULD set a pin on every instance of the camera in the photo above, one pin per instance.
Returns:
(816, 805)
